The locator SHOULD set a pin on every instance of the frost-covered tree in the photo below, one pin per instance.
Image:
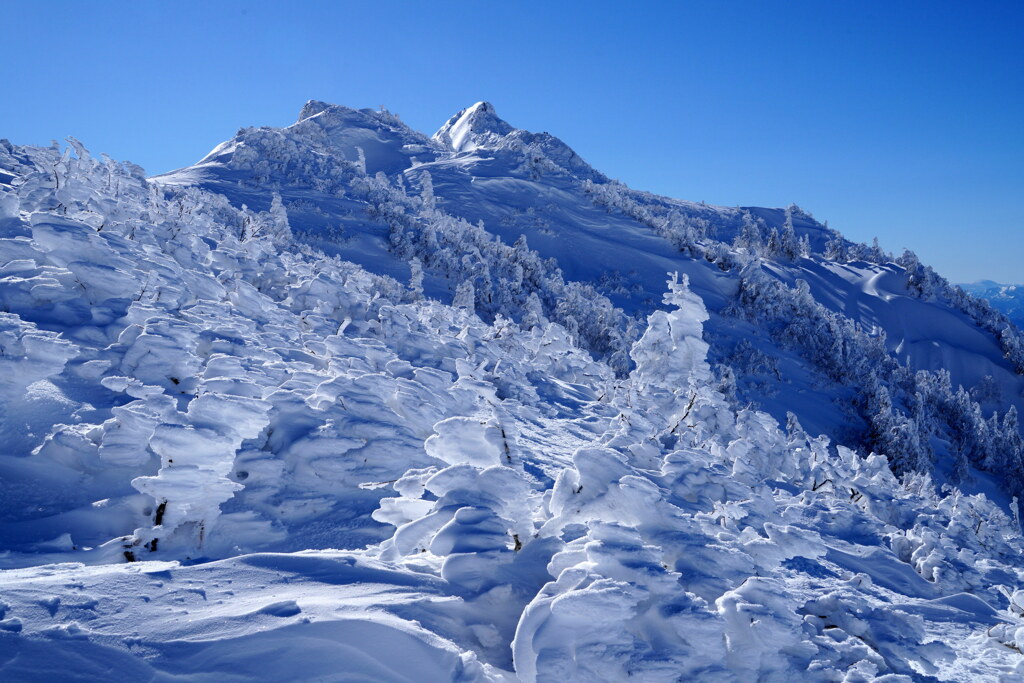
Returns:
(749, 236)
(836, 248)
(279, 228)
(465, 296)
(789, 246)
(415, 278)
(427, 191)
(672, 353)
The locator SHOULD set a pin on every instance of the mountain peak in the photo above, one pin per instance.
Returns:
(472, 127)
(312, 108)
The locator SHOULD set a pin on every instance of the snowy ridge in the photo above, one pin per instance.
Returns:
(479, 130)
(525, 228)
(236, 445)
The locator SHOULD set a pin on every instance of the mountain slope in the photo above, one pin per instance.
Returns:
(230, 454)
(442, 200)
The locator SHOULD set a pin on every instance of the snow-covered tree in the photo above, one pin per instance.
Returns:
(672, 353)
(465, 296)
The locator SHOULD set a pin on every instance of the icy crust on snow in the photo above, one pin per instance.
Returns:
(183, 381)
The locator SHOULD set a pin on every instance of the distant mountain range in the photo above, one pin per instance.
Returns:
(1006, 298)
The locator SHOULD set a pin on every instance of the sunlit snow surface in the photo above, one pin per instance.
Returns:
(319, 474)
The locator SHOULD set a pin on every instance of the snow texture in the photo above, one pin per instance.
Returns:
(345, 402)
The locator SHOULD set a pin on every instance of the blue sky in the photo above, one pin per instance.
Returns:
(901, 120)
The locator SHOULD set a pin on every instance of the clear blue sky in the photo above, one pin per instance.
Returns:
(903, 120)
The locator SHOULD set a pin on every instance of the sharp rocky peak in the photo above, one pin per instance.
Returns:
(471, 128)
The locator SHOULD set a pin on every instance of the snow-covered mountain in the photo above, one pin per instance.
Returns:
(346, 402)
(594, 252)
(1009, 299)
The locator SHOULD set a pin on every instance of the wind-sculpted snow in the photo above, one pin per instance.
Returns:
(230, 456)
(880, 353)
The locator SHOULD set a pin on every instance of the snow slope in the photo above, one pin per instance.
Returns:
(285, 415)
(533, 192)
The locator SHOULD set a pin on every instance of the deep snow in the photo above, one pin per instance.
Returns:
(290, 440)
